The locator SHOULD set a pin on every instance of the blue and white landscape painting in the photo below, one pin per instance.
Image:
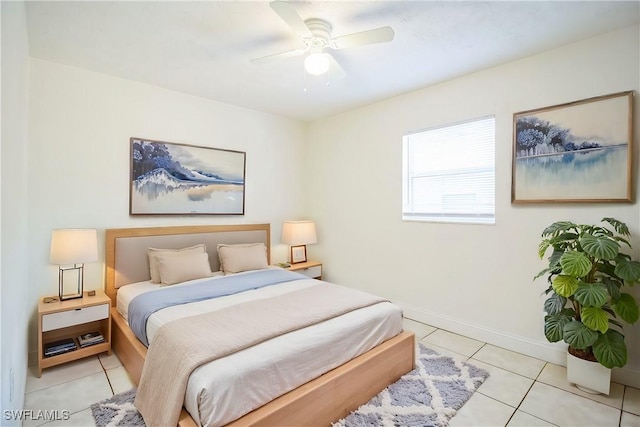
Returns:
(169, 178)
(579, 152)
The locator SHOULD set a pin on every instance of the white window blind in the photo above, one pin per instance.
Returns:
(449, 173)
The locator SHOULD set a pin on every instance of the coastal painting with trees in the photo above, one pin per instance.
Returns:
(575, 152)
(169, 178)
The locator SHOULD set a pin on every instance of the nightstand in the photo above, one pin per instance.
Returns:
(61, 320)
(310, 268)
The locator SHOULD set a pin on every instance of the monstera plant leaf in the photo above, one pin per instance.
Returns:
(564, 285)
(613, 287)
(610, 349)
(628, 270)
(554, 304)
(577, 335)
(557, 227)
(554, 326)
(575, 263)
(627, 308)
(595, 319)
(591, 294)
(599, 247)
(619, 226)
(542, 247)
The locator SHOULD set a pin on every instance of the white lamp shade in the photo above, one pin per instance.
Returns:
(296, 233)
(73, 246)
(316, 63)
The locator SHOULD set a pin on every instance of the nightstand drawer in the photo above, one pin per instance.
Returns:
(311, 271)
(74, 317)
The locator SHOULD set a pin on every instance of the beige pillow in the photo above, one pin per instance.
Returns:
(153, 252)
(182, 266)
(242, 257)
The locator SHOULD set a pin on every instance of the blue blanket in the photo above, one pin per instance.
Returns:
(143, 306)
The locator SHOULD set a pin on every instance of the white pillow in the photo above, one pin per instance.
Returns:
(153, 252)
(182, 266)
(242, 257)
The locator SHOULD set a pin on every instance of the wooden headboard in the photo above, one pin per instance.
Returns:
(126, 248)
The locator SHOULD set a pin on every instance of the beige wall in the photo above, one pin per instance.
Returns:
(16, 299)
(471, 279)
(80, 125)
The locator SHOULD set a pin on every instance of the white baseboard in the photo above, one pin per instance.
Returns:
(626, 376)
(553, 353)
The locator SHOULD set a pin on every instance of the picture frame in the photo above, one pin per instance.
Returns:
(298, 254)
(578, 152)
(168, 178)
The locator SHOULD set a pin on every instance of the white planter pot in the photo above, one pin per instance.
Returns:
(590, 377)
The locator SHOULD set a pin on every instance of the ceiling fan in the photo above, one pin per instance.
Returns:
(317, 38)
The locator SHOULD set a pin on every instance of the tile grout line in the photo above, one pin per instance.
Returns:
(509, 370)
(106, 375)
(577, 395)
(65, 381)
(515, 409)
(624, 393)
(585, 397)
(79, 410)
(535, 380)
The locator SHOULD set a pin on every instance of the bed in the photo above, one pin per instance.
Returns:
(325, 397)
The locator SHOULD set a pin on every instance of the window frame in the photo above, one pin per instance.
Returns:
(474, 216)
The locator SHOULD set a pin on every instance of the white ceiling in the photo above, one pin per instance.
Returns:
(204, 48)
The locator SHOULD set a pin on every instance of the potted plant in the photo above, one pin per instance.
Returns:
(586, 301)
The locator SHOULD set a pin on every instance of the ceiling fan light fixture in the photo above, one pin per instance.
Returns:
(316, 35)
(316, 63)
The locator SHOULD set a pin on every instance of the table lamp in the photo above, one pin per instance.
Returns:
(298, 234)
(72, 247)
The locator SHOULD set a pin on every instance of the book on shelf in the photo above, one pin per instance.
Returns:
(90, 338)
(59, 347)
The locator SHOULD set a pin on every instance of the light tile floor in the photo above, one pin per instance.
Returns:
(73, 387)
(521, 391)
(524, 391)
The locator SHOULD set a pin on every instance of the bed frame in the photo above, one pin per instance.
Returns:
(319, 402)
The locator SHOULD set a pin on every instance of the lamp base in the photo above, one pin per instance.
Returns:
(68, 297)
(79, 270)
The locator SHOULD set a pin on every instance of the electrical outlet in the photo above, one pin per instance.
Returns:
(11, 385)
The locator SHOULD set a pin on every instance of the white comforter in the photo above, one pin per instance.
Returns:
(227, 388)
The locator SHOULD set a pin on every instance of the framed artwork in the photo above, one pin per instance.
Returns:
(298, 254)
(179, 179)
(575, 152)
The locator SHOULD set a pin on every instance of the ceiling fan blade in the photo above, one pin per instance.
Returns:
(377, 35)
(280, 55)
(335, 70)
(288, 13)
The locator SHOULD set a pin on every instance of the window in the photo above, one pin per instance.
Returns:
(448, 173)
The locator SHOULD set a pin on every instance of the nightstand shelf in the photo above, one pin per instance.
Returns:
(68, 319)
(310, 268)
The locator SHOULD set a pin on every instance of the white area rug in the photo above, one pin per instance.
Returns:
(427, 396)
